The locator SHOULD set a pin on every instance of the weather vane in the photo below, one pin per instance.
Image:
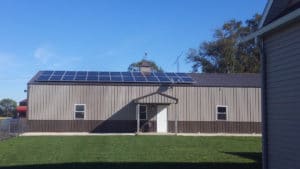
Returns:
(145, 56)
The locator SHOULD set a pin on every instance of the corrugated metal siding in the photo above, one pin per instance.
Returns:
(282, 52)
(56, 102)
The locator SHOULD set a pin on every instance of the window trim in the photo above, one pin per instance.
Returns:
(143, 105)
(84, 112)
(221, 113)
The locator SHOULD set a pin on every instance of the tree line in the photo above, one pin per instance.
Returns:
(8, 107)
(224, 53)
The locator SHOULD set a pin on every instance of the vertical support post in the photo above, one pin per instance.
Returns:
(176, 122)
(137, 118)
(9, 122)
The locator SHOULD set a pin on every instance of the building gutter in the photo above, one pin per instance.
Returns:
(272, 26)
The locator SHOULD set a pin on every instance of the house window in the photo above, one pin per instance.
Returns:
(143, 112)
(222, 112)
(79, 111)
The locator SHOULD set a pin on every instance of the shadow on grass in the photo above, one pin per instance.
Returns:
(257, 157)
(152, 165)
(141, 165)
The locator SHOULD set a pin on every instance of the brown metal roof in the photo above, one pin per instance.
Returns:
(227, 80)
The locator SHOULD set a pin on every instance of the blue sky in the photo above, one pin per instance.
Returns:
(104, 35)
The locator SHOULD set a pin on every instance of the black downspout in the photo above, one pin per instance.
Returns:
(264, 110)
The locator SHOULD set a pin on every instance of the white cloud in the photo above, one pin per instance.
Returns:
(46, 57)
(43, 54)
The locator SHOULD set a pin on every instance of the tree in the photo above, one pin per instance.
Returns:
(224, 54)
(135, 66)
(1, 112)
(8, 106)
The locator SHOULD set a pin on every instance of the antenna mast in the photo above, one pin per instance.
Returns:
(177, 61)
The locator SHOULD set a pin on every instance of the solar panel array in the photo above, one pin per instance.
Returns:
(122, 77)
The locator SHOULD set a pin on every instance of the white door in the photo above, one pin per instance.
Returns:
(161, 121)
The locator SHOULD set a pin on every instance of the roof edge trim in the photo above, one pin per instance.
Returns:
(265, 13)
(279, 22)
(159, 93)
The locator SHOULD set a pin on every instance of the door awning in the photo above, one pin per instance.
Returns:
(156, 98)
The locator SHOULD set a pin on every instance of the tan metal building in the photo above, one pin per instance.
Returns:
(209, 103)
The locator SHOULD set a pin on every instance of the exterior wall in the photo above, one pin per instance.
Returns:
(282, 91)
(196, 107)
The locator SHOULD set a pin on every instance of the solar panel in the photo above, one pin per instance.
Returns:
(163, 79)
(159, 74)
(93, 73)
(175, 79)
(151, 79)
(46, 73)
(137, 74)
(116, 78)
(43, 78)
(189, 80)
(126, 77)
(170, 74)
(104, 78)
(55, 78)
(58, 73)
(80, 78)
(115, 73)
(70, 73)
(126, 74)
(104, 73)
(92, 78)
(140, 79)
(68, 78)
(182, 74)
(80, 73)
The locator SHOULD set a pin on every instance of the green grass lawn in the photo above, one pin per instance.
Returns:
(131, 152)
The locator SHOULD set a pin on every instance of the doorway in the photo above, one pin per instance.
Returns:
(162, 120)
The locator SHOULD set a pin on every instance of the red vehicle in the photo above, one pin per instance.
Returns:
(22, 108)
